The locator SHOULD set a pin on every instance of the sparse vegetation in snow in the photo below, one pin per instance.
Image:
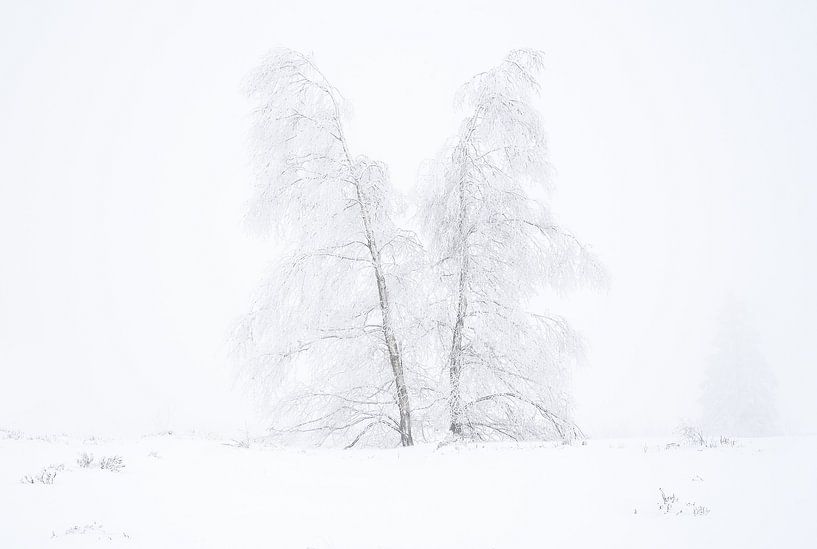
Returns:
(93, 529)
(85, 460)
(112, 463)
(670, 503)
(47, 475)
(667, 502)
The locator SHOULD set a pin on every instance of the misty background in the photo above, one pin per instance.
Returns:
(683, 139)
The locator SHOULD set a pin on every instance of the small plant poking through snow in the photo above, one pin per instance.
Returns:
(47, 475)
(698, 510)
(670, 501)
(94, 530)
(85, 460)
(667, 501)
(112, 463)
(241, 443)
(11, 435)
(692, 436)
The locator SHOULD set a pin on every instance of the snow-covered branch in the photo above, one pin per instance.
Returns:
(496, 244)
(322, 345)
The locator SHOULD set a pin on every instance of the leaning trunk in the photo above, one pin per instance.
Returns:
(395, 355)
(455, 362)
(396, 360)
(455, 358)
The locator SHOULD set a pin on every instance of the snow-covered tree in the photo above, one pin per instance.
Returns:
(738, 394)
(496, 244)
(321, 345)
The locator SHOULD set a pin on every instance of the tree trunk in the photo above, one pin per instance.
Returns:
(455, 358)
(395, 355)
(396, 360)
(455, 362)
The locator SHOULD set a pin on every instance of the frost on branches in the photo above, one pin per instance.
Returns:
(358, 322)
(495, 244)
(322, 345)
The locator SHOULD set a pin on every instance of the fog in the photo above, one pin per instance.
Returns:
(682, 137)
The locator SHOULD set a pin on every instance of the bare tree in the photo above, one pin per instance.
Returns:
(321, 344)
(496, 244)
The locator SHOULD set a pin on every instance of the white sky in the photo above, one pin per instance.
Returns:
(684, 137)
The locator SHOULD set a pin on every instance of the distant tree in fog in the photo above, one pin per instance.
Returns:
(738, 394)
(322, 345)
(495, 244)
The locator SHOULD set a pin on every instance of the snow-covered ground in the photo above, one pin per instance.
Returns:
(196, 492)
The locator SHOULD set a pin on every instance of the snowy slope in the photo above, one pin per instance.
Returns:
(194, 492)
